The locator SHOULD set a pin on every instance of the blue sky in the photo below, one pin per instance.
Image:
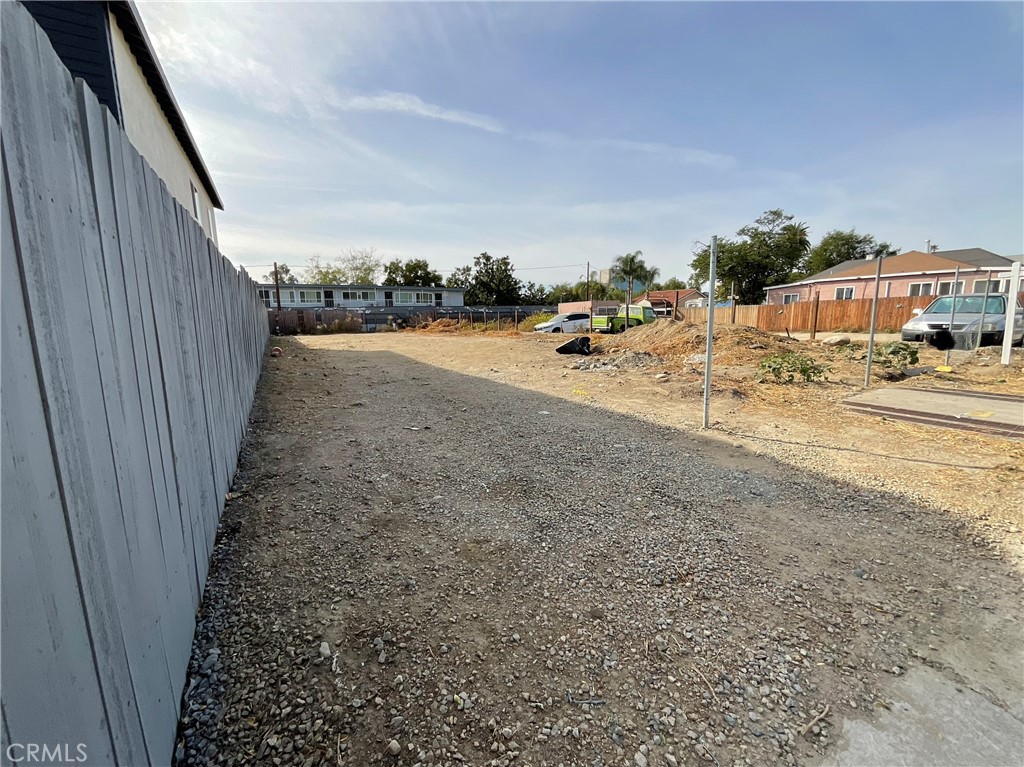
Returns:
(561, 132)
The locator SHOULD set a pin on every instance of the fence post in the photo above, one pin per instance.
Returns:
(732, 300)
(874, 318)
(517, 320)
(814, 315)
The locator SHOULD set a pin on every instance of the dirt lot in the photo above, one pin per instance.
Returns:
(515, 561)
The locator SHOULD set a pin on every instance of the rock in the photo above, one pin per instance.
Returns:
(394, 748)
(325, 650)
(835, 341)
(640, 759)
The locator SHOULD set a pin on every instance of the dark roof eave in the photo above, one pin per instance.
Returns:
(130, 21)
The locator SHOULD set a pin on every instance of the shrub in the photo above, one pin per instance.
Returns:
(347, 325)
(784, 368)
(527, 325)
(896, 355)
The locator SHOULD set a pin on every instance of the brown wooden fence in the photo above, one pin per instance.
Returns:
(849, 316)
(724, 315)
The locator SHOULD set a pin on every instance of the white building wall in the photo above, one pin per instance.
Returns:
(312, 297)
(150, 132)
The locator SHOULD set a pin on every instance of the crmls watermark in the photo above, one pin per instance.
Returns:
(47, 753)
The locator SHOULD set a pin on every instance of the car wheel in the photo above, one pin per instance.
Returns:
(556, 330)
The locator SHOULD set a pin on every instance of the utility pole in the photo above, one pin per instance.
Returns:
(590, 298)
(277, 286)
(711, 327)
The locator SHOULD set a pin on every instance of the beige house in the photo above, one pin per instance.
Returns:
(105, 44)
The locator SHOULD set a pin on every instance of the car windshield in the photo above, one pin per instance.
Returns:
(967, 305)
(559, 318)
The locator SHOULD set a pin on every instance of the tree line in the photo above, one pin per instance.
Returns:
(773, 250)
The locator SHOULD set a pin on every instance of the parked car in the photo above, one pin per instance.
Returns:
(574, 322)
(639, 314)
(974, 313)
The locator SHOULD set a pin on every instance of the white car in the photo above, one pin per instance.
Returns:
(575, 322)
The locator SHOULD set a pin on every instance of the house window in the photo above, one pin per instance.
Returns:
(195, 202)
(920, 289)
(309, 296)
(358, 295)
(290, 296)
(991, 285)
(266, 295)
(844, 294)
(946, 287)
(790, 298)
(403, 297)
(425, 298)
(439, 299)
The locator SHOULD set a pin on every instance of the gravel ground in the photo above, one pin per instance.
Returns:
(424, 567)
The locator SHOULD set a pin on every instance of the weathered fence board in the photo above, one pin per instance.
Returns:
(131, 349)
(38, 568)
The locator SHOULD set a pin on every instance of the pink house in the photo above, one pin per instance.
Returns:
(908, 274)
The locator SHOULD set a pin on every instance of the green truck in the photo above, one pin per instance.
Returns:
(639, 314)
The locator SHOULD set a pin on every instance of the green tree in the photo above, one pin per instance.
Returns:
(533, 294)
(285, 274)
(564, 292)
(415, 272)
(673, 283)
(460, 278)
(360, 266)
(632, 269)
(494, 281)
(767, 253)
(317, 272)
(838, 246)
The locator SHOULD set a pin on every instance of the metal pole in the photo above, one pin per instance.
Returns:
(814, 315)
(517, 319)
(952, 312)
(874, 319)
(984, 306)
(1011, 312)
(711, 327)
(732, 300)
(590, 298)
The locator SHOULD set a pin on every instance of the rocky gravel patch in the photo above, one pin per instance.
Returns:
(425, 568)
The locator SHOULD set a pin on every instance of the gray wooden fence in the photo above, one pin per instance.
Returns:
(130, 353)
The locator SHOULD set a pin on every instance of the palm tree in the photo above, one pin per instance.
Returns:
(798, 237)
(631, 267)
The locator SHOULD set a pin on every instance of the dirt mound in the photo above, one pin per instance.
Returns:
(733, 344)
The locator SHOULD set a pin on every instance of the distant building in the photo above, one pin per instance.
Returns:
(604, 276)
(358, 296)
(908, 274)
(106, 45)
(667, 301)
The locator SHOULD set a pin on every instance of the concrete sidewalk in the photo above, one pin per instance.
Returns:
(985, 412)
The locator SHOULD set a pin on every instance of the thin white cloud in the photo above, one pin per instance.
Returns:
(662, 151)
(410, 104)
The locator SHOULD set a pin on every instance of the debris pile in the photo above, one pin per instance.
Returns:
(626, 360)
(734, 344)
(443, 325)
